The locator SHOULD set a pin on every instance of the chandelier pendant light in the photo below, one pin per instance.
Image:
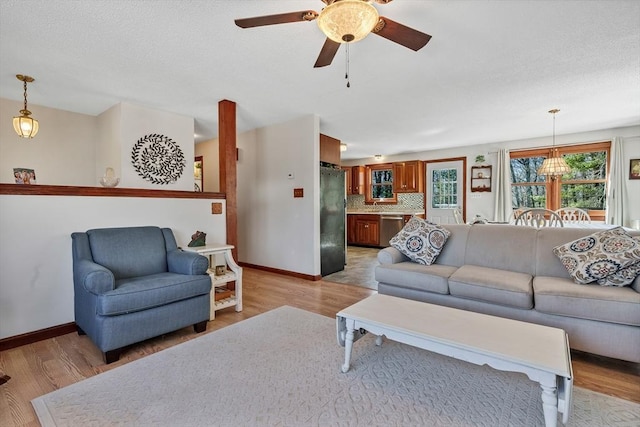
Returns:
(554, 165)
(25, 125)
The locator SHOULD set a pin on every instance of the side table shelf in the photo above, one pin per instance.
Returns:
(234, 273)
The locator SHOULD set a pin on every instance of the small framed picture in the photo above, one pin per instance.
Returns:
(221, 270)
(634, 169)
(24, 176)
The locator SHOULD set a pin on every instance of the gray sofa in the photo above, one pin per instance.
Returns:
(511, 271)
(134, 283)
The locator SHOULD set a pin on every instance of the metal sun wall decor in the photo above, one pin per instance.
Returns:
(158, 159)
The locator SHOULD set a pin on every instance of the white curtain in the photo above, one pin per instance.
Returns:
(503, 209)
(617, 199)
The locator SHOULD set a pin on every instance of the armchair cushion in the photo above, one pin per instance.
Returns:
(142, 293)
(129, 252)
(182, 262)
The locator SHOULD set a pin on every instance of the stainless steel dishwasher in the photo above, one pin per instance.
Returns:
(390, 225)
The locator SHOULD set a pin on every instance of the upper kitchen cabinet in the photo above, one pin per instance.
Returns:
(355, 179)
(408, 177)
(329, 150)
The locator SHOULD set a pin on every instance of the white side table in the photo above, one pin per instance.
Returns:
(234, 272)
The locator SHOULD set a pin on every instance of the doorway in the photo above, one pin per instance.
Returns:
(445, 190)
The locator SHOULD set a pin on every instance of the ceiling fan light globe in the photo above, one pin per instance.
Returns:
(348, 21)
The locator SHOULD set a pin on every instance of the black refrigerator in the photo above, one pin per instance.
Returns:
(332, 220)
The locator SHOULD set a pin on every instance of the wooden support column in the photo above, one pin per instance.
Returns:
(228, 175)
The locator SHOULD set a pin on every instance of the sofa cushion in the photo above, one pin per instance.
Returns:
(501, 287)
(429, 278)
(503, 247)
(142, 293)
(420, 240)
(564, 297)
(598, 255)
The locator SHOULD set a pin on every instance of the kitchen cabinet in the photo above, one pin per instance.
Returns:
(408, 177)
(355, 179)
(363, 229)
(329, 150)
(480, 178)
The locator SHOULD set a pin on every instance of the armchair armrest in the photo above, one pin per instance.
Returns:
(183, 262)
(391, 255)
(93, 277)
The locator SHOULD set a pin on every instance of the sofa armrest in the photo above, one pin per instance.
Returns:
(391, 255)
(93, 277)
(183, 262)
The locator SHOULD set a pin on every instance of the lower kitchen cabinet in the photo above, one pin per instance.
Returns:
(363, 230)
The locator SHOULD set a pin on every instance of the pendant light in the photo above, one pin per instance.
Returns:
(24, 125)
(554, 166)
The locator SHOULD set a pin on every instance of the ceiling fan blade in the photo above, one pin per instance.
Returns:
(327, 53)
(282, 18)
(401, 34)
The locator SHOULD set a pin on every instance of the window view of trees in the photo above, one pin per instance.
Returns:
(382, 184)
(528, 189)
(584, 187)
(444, 191)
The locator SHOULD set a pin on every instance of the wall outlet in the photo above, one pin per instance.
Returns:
(298, 192)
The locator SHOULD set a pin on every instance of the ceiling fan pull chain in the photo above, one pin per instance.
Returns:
(346, 75)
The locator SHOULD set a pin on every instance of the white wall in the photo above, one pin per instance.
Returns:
(483, 203)
(275, 229)
(36, 279)
(75, 149)
(62, 153)
(209, 150)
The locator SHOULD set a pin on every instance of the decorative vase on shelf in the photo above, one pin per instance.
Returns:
(109, 179)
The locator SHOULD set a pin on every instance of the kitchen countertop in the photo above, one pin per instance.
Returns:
(384, 213)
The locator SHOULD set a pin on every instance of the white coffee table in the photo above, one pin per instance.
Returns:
(540, 352)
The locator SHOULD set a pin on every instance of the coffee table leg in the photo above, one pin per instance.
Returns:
(348, 344)
(550, 405)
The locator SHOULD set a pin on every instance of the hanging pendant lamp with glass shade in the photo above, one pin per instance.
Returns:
(25, 125)
(554, 166)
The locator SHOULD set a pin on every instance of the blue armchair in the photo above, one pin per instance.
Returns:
(134, 283)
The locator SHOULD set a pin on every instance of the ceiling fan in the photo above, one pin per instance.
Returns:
(345, 21)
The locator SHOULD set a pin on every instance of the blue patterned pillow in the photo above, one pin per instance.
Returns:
(601, 257)
(420, 240)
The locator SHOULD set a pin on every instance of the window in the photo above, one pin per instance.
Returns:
(584, 187)
(379, 184)
(444, 188)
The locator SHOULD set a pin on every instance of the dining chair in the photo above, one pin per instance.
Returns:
(457, 215)
(574, 216)
(538, 218)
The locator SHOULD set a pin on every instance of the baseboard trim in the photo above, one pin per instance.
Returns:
(283, 272)
(35, 336)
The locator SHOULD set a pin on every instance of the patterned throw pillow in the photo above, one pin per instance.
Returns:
(623, 277)
(600, 255)
(420, 240)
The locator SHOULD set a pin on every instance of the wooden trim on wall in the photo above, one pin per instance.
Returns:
(35, 336)
(63, 190)
(283, 272)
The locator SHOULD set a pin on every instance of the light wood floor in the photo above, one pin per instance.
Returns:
(42, 367)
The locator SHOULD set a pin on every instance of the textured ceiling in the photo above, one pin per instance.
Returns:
(490, 73)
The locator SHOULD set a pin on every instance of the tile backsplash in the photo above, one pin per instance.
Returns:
(406, 202)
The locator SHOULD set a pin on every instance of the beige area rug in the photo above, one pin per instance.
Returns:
(360, 268)
(282, 368)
